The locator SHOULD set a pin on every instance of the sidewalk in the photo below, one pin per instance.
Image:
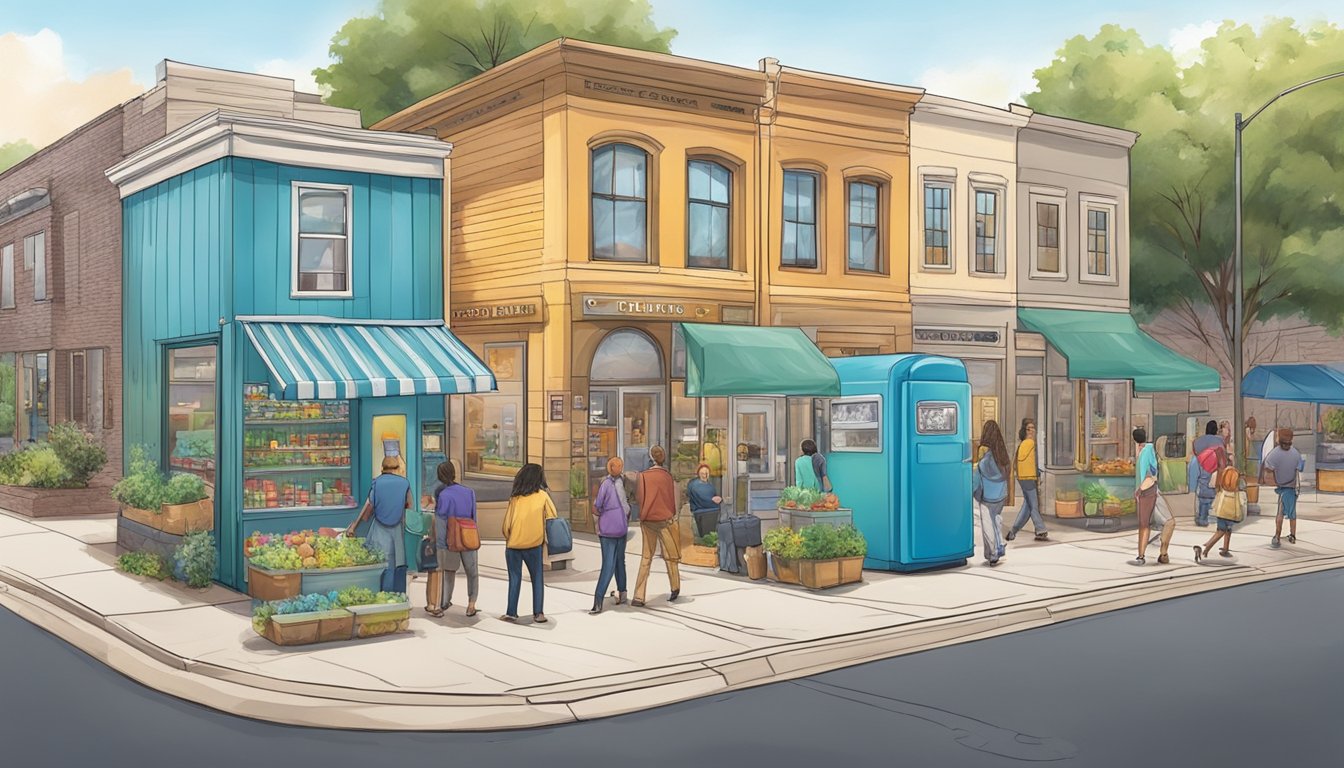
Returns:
(724, 632)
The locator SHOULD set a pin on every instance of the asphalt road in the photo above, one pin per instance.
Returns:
(1252, 676)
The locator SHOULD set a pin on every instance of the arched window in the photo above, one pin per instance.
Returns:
(620, 203)
(708, 214)
(627, 355)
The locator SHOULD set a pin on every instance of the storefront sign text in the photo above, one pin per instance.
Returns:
(494, 312)
(595, 306)
(686, 101)
(964, 337)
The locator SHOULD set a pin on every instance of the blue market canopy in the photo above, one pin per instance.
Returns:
(328, 359)
(729, 360)
(1110, 345)
(1296, 383)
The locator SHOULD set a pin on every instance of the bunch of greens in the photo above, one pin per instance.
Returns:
(145, 564)
(710, 539)
(784, 543)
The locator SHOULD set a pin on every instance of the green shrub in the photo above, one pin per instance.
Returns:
(194, 560)
(183, 488)
(710, 539)
(852, 543)
(40, 467)
(144, 564)
(81, 454)
(820, 542)
(783, 543)
(816, 542)
(142, 487)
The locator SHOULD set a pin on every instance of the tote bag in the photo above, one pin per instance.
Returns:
(559, 538)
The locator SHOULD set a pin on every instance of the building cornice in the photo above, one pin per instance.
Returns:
(289, 142)
(943, 106)
(1076, 129)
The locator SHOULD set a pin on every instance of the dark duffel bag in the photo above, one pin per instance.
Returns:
(747, 531)
(727, 552)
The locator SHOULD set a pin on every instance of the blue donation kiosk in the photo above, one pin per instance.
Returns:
(899, 455)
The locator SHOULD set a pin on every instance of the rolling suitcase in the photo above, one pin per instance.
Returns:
(727, 547)
(747, 530)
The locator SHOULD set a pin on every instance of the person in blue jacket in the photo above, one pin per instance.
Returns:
(1200, 479)
(991, 490)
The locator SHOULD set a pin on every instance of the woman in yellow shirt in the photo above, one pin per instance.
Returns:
(1028, 478)
(530, 506)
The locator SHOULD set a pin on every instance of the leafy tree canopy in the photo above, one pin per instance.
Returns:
(13, 152)
(1182, 193)
(412, 49)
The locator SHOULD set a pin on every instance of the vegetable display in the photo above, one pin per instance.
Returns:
(328, 601)
(816, 542)
(300, 550)
(796, 497)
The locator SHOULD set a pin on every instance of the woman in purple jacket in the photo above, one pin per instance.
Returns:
(453, 500)
(612, 510)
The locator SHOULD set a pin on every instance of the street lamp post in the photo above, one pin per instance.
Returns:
(1238, 327)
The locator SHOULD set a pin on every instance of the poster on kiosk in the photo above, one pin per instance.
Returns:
(899, 457)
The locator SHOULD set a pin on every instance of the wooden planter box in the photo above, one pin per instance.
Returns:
(700, 556)
(784, 571)
(824, 574)
(1252, 493)
(264, 584)
(313, 627)
(1330, 480)
(57, 502)
(177, 519)
(385, 619)
(1071, 508)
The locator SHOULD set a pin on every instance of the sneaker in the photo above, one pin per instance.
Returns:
(1274, 542)
(1292, 539)
(1002, 550)
(1043, 535)
(1012, 534)
(993, 563)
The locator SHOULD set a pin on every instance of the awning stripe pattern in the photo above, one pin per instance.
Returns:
(331, 361)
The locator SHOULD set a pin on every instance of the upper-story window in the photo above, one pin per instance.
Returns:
(1099, 242)
(708, 215)
(987, 232)
(1047, 251)
(620, 203)
(864, 252)
(7, 277)
(799, 244)
(35, 258)
(937, 225)
(322, 221)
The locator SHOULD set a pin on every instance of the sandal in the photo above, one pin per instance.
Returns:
(1163, 559)
(435, 612)
(540, 618)
(471, 612)
(1199, 554)
(1225, 552)
(508, 618)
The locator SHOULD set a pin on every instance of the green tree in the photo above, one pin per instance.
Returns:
(411, 49)
(13, 152)
(1182, 193)
(7, 395)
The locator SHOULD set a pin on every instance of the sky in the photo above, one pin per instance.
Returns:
(64, 62)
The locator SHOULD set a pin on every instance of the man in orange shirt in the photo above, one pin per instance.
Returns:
(657, 494)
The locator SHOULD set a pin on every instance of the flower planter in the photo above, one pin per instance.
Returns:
(264, 584)
(700, 556)
(177, 519)
(384, 619)
(312, 627)
(800, 518)
(784, 571)
(1069, 508)
(824, 574)
(56, 502)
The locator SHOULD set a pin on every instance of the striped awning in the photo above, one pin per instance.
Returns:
(332, 360)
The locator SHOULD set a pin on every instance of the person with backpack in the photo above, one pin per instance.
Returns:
(1028, 474)
(991, 490)
(1210, 455)
(1283, 466)
(1148, 497)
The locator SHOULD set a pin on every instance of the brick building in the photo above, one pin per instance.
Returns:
(60, 250)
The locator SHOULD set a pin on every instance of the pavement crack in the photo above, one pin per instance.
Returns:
(967, 731)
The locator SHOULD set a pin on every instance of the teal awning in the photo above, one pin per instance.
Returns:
(1110, 345)
(327, 359)
(729, 360)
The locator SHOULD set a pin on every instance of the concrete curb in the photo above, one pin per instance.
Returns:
(316, 705)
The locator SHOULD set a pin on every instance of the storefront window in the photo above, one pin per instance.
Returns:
(1060, 441)
(296, 454)
(1107, 422)
(627, 356)
(685, 438)
(191, 410)
(715, 450)
(33, 397)
(985, 377)
(756, 431)
(9, 411)
(495, 422)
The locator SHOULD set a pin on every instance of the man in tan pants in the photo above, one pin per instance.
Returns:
(657, 495)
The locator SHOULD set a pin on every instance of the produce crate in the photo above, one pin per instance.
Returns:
(784, 571)
(384, 619)
(824, 574)
(328, 579)
(1069, 508)
(177, 519)
(310, 627)
(264, 584)
(700, 556)
(797, 519)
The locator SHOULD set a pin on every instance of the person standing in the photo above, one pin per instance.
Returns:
(1147, 495)
(389, 498)
(809, 470)
(1201, 479)
(704, 501)
(1283, 466)
(530, 506)
(656, 493)
(1229, 445)
(612, 510)
(454, 501)
(1028, 479)
(991, 489)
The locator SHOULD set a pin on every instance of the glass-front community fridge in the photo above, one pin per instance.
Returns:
(899, 455)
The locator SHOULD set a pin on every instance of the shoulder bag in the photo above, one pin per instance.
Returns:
(463, 535)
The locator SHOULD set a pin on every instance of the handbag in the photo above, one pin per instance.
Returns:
(1161, 512)
(1230, 506)
(559, 538)
(428, 556)
(463, 535)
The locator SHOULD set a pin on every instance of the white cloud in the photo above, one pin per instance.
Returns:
(989, 82)
(43, 99)
(1185, 41)
(301, 72)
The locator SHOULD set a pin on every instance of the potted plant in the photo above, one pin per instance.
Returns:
(176, 505)
(821, 556)
(195, 559)
(785, 547)
(1094, 496)
(52, 477)
(1068, 503)
(353, 612)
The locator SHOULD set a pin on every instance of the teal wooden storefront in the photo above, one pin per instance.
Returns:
(209, 259)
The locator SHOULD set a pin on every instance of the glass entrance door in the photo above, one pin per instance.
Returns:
(625, 422)
(641, 426)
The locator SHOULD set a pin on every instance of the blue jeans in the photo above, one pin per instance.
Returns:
(1202, 511)
(515, 558)
(1031, 507)
(613, 564)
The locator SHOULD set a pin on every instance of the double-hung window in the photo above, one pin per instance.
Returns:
(987, 232)
(799, 244)
(7, 277)
(620, 174)
(321, 221)
(937, 225)
(865, 239)
(1098, 242)
(708, 215)
(35, 258)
